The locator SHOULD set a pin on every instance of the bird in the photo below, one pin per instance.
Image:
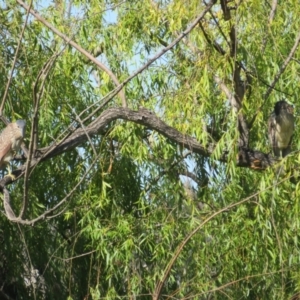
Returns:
(10, 142)
(281, 126)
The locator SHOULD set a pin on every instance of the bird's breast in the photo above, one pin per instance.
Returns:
(284, 130)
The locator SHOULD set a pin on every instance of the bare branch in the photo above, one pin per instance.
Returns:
(7, 207)
(246, 158)
(214, 44)
(11, 216)
(226, 10)
(233, 101)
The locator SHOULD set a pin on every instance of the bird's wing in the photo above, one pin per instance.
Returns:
(5, 142)
(272, 134)
(288, 150)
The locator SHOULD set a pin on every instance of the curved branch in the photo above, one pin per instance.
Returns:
(273, 10)
(246, 158)
(37, 95)
(143, 117)
(11, 215)
(7, 207)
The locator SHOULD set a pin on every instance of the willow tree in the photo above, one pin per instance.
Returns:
(146, 172)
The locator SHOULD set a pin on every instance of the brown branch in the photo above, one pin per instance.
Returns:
(79, 48)
(233, 44)
(226, 10)
(192, 176)
(11, 215)
(7, 207)
(246, 158)
(235, 104)
(239, 85)
(216, 45)
(37, 95)
(246, 279)
(143, 116)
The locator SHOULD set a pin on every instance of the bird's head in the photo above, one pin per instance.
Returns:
(283, 107)
(21, 125)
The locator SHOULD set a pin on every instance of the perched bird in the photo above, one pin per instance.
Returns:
(280, 128)
(10, 142)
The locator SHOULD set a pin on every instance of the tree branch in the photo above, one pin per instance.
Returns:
(273, 10)
(246, 157)
(37, 95)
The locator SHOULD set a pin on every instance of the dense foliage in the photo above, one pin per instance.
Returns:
(143, 215)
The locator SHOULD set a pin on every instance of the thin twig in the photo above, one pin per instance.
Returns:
(234, 282)
(283, 67)
(37, 94)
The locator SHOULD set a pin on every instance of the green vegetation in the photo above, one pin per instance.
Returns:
(152, 191)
